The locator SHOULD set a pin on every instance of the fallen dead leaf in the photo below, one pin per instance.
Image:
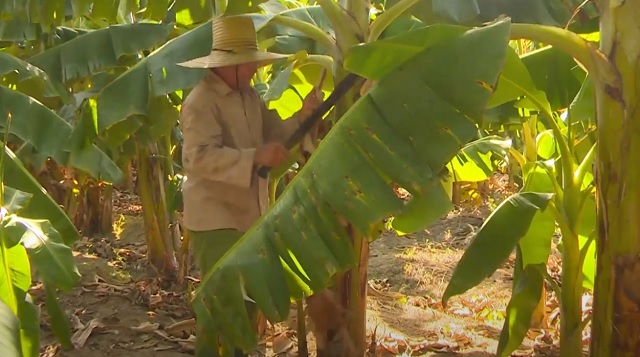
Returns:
(180, 328)
(281, 343)
(80, 337)
(155, 300)
(146, 327)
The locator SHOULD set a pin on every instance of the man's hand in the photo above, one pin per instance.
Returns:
(271, 155)
(312, 101)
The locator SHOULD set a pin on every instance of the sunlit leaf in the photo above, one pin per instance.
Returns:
(526, 293)
(492, 244)
(474, 162)
(52, 259)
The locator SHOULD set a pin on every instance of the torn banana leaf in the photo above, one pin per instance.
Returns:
(402, 132)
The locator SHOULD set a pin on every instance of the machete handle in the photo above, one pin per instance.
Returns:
(340, 90)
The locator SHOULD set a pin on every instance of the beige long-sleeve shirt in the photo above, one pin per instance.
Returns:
(221, 130)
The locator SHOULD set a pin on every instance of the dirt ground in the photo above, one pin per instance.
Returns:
(119, 309)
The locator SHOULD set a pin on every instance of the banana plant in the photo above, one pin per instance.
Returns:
(382, 139)
(26, 244)
(558, 189)
(88, 160)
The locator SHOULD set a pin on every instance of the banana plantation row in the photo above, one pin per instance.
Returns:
(451, 92)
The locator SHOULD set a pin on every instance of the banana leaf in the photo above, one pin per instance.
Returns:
(99, 49)
(474, 12)
(40, 205)
(403, 131)
(14, 71)
(49, 134)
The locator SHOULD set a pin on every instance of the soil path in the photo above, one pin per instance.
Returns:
(119, 309)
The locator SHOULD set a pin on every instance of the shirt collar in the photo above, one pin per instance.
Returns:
(215, 82)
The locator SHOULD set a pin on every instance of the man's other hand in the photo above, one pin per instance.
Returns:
(271, 155)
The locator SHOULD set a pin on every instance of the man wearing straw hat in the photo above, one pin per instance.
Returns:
(228, 132)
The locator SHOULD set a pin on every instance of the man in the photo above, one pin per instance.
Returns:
(228, 133)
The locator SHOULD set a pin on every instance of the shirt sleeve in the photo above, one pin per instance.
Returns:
(203, 152)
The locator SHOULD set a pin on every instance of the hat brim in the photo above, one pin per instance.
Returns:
(222, 59)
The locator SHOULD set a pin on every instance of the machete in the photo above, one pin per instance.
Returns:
(339, 91)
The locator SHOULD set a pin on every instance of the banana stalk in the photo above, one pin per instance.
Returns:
(161, 251)
(616, 297)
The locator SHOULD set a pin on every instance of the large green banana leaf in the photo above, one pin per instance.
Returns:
(547, 12)
(16, 72)
(99, 49)
(155, 75)
(48, 134)
(40, 205)
(42, 121)
(9, 332)
(403, 131)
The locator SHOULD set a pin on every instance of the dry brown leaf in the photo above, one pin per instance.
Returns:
(144, 345)
(155, 299)
(180, 328)
(187, 346)
(163, 348)
(146, 327)
(76, 324)
(162, 334)
(80, 337)
(281, 343)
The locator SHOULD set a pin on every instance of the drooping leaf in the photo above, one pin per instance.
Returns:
(17, 30)
(526, 293)
(14, 70)
(52, 259)
(550, 70)
(155, 75)
(48, 133)
(29, 315)
(419, 131)
(59, 320)
(535, 246)
(41, 205)
(492, 244)
(99, 49)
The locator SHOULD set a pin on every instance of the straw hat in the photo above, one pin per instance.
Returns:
(234, 42)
